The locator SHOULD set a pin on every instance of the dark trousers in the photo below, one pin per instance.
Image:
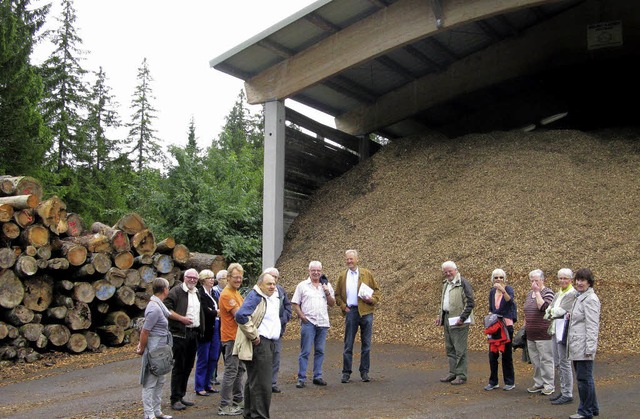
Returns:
(184, 355)
(257, 389)
(352, 321)
(586, 388)
(508, 373)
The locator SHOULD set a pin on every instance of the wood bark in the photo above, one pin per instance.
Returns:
(200, 261)
(111, 334)
(130, 224)
(142, 260)
(75, 225)
(41, 342)
(63, 300)
(126, 296)
(116, 277)
(123, 260)
(58, 334)
(38, 293)
(132, 278)
(77, 343)
(84, 292)
(7, 258)
(57, 264)
(53, 213)
(25, 266)
(102, 308)
(119, 239)
(104, 289)
(20, 185)
(78, 317)
(94, 243)
(11, 289)
(93, 340)
(31, 331)
(8, 352)
(35, 235)
(57, 313)
(20, 201)
(44, 252)
(142, 299)
(101, 262)
(166, 246)
(83, 271)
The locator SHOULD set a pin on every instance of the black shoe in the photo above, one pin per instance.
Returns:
(212, 390)
(187, 402)
(562, 400)
(365, 377)
(275, 389)
(178, 406)
(459, 381)
(449, 378)
(163, 416)
(300, 384)
(555, 397)
(345, 378)
(319, 382)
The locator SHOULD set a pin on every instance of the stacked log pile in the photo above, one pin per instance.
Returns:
(65, 287)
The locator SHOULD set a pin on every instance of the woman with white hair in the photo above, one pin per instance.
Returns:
(502, 302)
(556, 312)
(208, 343)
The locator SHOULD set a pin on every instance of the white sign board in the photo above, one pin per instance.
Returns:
(604, 35)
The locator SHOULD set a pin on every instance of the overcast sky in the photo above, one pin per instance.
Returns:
(178, 39)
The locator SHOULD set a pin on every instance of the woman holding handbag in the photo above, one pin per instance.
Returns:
(155, 333)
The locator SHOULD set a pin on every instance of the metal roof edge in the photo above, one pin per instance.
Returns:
(265, 33)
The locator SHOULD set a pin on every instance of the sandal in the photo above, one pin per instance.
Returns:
(201, 393)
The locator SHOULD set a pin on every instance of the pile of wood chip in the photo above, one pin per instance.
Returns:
(514, 200)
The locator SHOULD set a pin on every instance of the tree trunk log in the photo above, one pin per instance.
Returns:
(84, 292)
(180, 254)
(38, 293)
(35, 235)
(7, 258)
(44, 252)
(119, 318)
(8, 331)
(19, 315)
(52, 212)
(147, 274)
(20, 201)
(24, 217)
(56, 313)
(132, 279)
(20, 185)
(8, 352)
(31, 331)
(78, 317)
(118, 238)
(75, 253)
(63, 300)
(26, 266)
(116, 277)
(84, 271)
(101, 262)
(126, 296)
(93, 340)
(6, 212)
(172, 276)
(58, 264)
(162, 263)
(102, 308)
(142, 299)
(104, 289)
(130, 224)
(10, 230)
(77, 343)
(111, 335)
(200, 261)
(142, 260)
(123, 260)
(58, 334)
(11, 289)
(144, 243)
(166, 246)
(94, 243)
(41, 342)
(75, 225)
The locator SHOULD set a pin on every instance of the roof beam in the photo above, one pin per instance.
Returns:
(525, 54)
(399, 24)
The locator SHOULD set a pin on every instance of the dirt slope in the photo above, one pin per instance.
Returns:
(519, 201)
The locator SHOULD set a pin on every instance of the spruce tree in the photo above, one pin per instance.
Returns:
(65, 103)
(23, 137)
(145, 145)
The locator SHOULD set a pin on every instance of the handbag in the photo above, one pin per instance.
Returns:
(160, 360)
(520, 339)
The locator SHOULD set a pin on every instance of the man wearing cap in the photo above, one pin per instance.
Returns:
(184, 300)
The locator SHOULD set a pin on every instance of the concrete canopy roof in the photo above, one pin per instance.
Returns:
(400, 67)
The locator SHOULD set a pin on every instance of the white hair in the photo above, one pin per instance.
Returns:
(449, 264)
(221, 273)
(565, 272)
(315, 263)
(499, 272)
(536, 272)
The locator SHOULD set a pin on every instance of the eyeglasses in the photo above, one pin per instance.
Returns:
(498, 277)
(236, 277)
(191, 277)
(563, 278)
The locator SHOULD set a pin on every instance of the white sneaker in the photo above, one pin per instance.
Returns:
(229, 411)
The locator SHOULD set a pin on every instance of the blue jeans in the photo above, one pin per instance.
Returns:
(353, 320)
(311, 336)
(586, 388)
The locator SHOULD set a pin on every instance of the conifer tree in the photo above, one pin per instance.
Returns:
(23, 139)
(65, 103)
(145, 145)
(192, 144)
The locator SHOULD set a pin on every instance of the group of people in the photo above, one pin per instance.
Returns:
(561, 330)
(201, 322)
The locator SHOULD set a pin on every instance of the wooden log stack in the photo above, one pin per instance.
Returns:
(64, 288)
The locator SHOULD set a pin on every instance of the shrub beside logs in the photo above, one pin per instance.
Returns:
(67, 289)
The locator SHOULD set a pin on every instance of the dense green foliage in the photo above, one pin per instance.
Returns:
(53, 126)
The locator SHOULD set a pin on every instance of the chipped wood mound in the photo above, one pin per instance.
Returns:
(64, 288)
(514, 200)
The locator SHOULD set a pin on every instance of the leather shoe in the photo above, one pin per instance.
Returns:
(163, 416)
(319, 382)
(562, 400)
(345, 378)
(187, 402)
(449, 378)
(178, 406)
(365, 377)
(212, 390)
(275, 389)
(458, 382)
(555, 397)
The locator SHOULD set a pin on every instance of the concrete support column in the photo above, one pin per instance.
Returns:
(364, 150)
(273, 200)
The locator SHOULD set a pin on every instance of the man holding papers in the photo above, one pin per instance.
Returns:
(455, 314)
(357, 294)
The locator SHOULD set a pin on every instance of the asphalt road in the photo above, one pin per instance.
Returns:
(404, 385)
